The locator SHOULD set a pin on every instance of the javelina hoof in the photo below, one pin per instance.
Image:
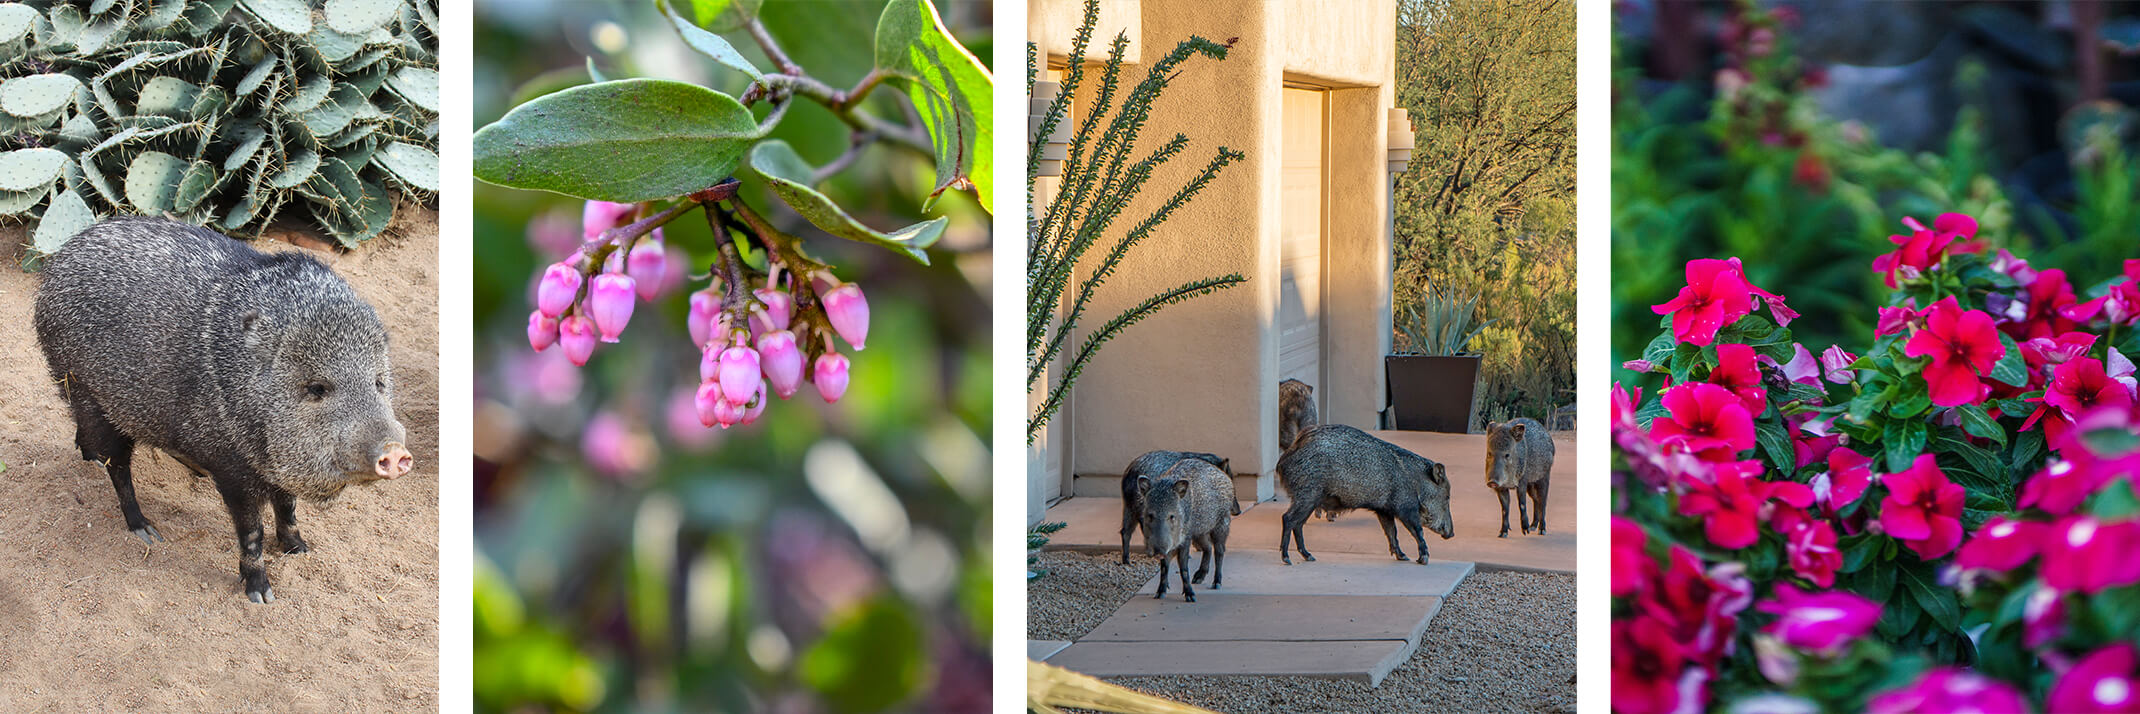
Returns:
(1188, 597)
(264, 595)
(1422, 559)
(147, 533)
(295, 544)
(1504, 532)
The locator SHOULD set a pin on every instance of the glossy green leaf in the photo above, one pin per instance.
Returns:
(719, 15)
(2011, 369)
(626, 141)
(707, 43)
(951, 90)
(1979, 423)
(791, 179)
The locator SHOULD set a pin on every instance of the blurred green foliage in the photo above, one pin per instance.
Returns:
(826, 558)
(1487, 204)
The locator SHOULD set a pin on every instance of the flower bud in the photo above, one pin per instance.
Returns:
(601, 216)
(648, 263)
(783, 362)
(705, 313)
(712, 409)
(739, 374)
(779, 311)
(577, 334)
(831, 376)
(560, 286)
(757, 405)
(849, 313)
(611, 303)
(542, 330)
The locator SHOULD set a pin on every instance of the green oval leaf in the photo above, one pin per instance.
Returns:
(626, 141)
(791, 179)
(719, 15)
(707, 43)
(951, 90)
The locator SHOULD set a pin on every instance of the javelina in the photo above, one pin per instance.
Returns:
(1192, 504)
(1296, 412)
(1338, 467)
(262, 371)
(1153, 464)
(1519, 457)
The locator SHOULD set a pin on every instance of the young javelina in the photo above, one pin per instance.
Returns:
(264, 372)
(1152, 464)
(1191, 505)
(1519, 457)
(1337, 467)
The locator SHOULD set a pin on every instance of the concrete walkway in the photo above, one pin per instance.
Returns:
(1095, 523)
(1344, 616)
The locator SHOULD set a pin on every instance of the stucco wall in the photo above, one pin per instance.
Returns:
(1339, 42)
(1053, 25)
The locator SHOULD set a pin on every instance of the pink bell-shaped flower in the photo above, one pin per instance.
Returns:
(782, 360)
(757, 404)
(560, 286)
(705, 314)
(542, 330)
(779, 311)
(831, 376)
(577, 334)
(600, 216)
(648, 263)
(611, 302)
(739, 374)
(849, 313)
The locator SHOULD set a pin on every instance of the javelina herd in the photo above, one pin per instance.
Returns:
(261, 371)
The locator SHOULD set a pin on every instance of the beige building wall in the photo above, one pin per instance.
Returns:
(1202, 375)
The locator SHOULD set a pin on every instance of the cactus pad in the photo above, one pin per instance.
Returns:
(30, 169)
(37, 95)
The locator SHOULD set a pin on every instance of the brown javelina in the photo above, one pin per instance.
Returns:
(1519, 457)
(1296, 412)
(1337, 467)
(1154, 463)
(262, 371)
(1192, 504)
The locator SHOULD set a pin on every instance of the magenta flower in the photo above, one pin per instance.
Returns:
(577, 334)
(740, 374)
(2120, 306)
(1631, 563)
(1737, 370)
(2103, 681)
(1950, 689)
(610, 300)
(783, 362)
(1717, 294)
(1923, 509)
(1706, 419)
(2086, 555)
(1647, 667)
(849, 313)
(560, 286)
(1835, 365)
(2043, 617)
(1731, 506)
(704, 317)
(1925, 248)
(1802, 369)
(1823, 623)
(1894, 319)
(542, 330)
(1849, 475)
(2081, 385)
(1962, 344)
(1810, 545)
(2058, 488)
(831, 376)
(2002, 544)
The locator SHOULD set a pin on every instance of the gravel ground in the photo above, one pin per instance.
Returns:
(1080, 591)
(1503, 642)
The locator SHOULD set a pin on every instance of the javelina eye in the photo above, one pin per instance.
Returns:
(316, 390)
(380, 384)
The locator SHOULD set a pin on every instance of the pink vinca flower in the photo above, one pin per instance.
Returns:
(2083, 554)
(1822, 623)
(1706, 419)
(1631, 562)
(2104, 681)
(1835, 365)
(1849, 474)
(1810, 545)
(1895, 319)
(1923, 509)
(1738, 371)
(1731, 506)
(1925, 248)
(2120, 306)
(1803, 368)
(2001, 545)
(1950, 689)
(1717, 294)
(1647, 667)
(1962, 345)
(2080, 386)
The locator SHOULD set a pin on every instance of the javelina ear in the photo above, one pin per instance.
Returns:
(1516, 431)
(1144, 484)
(1181, 488)
(1490, 426)
(1438, 474)
(1226, 465)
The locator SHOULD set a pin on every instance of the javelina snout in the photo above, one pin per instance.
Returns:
(393, 461)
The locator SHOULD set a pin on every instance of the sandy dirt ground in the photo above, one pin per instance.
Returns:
(92, 620)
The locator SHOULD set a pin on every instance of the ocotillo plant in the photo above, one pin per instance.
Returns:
(1100, 182)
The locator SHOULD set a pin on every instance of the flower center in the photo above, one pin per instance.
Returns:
(2080, 533)
(2112, 691)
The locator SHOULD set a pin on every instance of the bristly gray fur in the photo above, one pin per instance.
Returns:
(1154, 463)
(191, 342)
(1338, 467)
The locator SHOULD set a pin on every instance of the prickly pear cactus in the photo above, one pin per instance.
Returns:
(223, 113)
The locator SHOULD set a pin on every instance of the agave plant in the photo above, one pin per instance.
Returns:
(219, 113)
(1442, 322)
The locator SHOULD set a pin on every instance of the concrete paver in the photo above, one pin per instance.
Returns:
(1258, 572)
(1041, 650)
(1368, 661)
